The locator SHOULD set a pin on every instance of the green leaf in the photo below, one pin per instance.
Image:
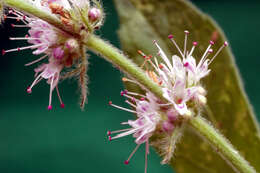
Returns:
(228, 107)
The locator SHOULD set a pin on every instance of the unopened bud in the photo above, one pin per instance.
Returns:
(58, 53)
(167, 126)
(188, 113)
(202, 99)
(94, 14)
(72, 45)
(201, 90)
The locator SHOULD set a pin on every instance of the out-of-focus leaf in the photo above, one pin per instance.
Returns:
(229, 110)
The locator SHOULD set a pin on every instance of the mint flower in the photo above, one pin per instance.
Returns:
(63, 51)
(148, 118)
(180, 77)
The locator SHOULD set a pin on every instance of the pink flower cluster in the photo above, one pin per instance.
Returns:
(59, 47)
(180, 77)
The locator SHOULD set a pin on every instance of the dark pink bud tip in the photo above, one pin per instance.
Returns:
(186, 32)
(142, 99)
(29, 90)
(3, 52)
(109, 138)
(12, 25)
(211, 42)
(50, 107)
(108, 133)
(110, 102)
(225, 43)
(62, 105)
(170, 36)
(126, 162)
(186, 64)
(195, 43)
(122, 93)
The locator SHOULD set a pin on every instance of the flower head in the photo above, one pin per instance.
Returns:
(180, 77)
(148, 118)
(61, 48)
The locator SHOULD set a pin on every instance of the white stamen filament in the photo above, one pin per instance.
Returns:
(119, 131)
(131, 104)
(51, 88)
(124, 109)
(133, 152)
(192, 49)
(177, 47)
(36, 80)
(35, 61)
(20, 26)
(130, 97)
(23, 38)
(23, 48)
(163, 56)
(185, 43)
(219, 50)
(204, 56)
(135, 94)
(58, 93)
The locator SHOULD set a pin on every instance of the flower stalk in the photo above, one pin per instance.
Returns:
(114, 56)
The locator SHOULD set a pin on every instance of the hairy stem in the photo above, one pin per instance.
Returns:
(222, 146)
(123, 63)
(114, 56)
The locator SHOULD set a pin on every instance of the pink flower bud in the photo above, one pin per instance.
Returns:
(94, 14)
(167, 126)
(58, 53)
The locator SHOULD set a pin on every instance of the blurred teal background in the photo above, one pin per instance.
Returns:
(33, 139)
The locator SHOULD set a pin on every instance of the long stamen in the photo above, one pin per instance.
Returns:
(131, 104)
(58, 93)
(122, 108)
(37, 60)
(130, 97)
(50, 96)
(174, 42)
(23, 38)
(135, 94)
(205, 53)
(19, 49)
(117, 131)
(131, 155)
(185, 42)
(219, 50)
(162, 55)
(36, 80)
(19, 26)
(193, 48)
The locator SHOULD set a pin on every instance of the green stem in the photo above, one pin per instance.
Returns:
(125, 64)
(220, 143)
(119, 60)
